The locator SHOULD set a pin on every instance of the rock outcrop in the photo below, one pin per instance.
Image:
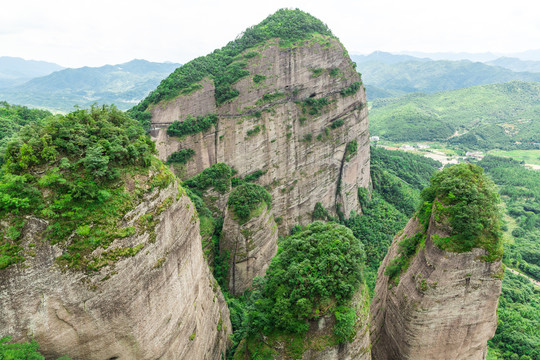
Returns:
(357, 349)
(161, 302)
(300, 115)
(444, 306)
(251, 246)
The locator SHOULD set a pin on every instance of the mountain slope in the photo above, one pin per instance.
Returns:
(433, 76)
(515, 64)
(15, 71)
(487, 116)
(122, 84)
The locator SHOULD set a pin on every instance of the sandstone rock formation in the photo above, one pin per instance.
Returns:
(162, 302)
(251, 247)
(358, 349)
(271, 127)
(444, 306)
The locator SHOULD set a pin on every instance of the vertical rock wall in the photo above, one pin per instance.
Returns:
(444, 306)
(251, 247)
(161, 303)
(304, 157)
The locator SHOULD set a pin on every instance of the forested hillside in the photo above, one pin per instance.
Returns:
(504, 116)
(399, 78)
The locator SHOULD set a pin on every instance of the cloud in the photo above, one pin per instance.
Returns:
(104, 31)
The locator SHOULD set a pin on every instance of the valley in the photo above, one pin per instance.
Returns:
(274, 199)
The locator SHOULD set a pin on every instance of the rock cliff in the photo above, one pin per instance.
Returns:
(300, 115)
(159, 302)
(442, 305)
(357, 349)
(250, 245)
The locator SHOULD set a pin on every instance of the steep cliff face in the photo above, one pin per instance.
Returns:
(442, 305)
(250, 245)
(159, 302)
(300, 116)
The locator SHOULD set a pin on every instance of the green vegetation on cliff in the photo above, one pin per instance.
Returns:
(192, 125)
(224, 66)
(20, 351)
(247, 197)
(72, 171)
(315, 272)
(463, 200)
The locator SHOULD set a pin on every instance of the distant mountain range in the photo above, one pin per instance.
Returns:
(389, 75)
(385, 75)
(15, 71)
(123, 85)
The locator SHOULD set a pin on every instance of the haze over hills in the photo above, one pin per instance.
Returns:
(123, 85)
(15, 70)
(389, 76)
(516, 64)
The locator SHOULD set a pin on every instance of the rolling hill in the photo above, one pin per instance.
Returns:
(123, 85)
(505, 116)
(387, 75)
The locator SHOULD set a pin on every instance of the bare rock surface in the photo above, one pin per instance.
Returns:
(444, 306)
(304, 157)
(160, 303)
(251, 247)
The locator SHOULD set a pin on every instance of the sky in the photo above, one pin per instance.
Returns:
(78, 33)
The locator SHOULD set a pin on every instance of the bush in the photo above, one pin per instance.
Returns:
(181, 157)
(319, 265)
(351, 90)
(192, 125)
(467, 200)
(217, 176)
(247, 197)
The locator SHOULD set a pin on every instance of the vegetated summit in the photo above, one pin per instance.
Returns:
(287, 25)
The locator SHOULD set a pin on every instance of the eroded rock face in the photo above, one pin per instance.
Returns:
(161, 303)
(251, 246)
(358, 349)
(444, 306)
(304, 156)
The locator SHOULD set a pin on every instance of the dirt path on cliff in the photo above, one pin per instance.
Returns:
(537, 283)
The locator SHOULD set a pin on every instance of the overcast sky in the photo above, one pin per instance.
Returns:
(76, 33)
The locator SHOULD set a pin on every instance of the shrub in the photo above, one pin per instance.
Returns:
(258, 78)
(181, 157)
(351, 90)
(466, 199)
(337, 123)
(247, 197)
(314, 106)
(317, 266)
(217, 176)
(192, 125)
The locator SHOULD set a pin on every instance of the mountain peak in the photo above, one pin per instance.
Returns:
(287, 24)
